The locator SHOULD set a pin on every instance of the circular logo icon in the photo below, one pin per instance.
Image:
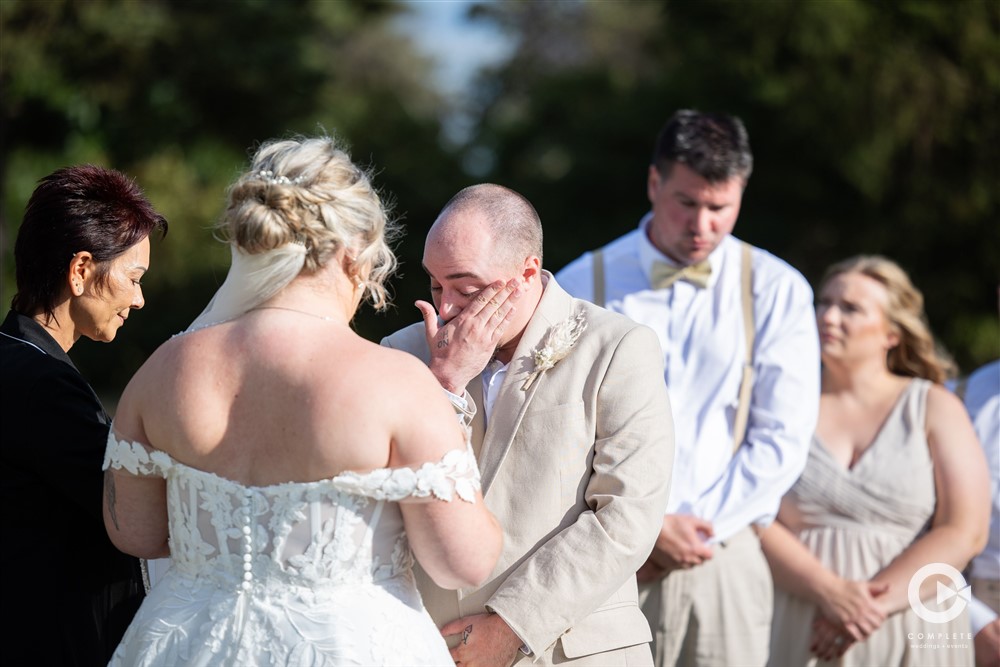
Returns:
(957, 591)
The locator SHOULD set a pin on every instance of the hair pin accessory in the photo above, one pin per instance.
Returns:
(271, 178)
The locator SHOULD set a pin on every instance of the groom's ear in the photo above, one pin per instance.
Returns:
(531, 269)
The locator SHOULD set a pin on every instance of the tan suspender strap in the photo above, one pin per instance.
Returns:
(746, 382)
(598, 259)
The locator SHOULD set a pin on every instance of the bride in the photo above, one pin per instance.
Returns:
(289, 468)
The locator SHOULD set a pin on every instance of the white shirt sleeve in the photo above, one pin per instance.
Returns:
(783, 411)
(465, 408)
(980, 615)
(982, 400)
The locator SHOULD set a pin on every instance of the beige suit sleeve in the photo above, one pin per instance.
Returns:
(579, 568)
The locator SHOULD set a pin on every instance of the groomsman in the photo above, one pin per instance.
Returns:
(572, 428)
(741, 357)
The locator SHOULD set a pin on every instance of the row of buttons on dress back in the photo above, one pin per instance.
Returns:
(247, 540)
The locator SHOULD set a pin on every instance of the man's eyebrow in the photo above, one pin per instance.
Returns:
(454, 276)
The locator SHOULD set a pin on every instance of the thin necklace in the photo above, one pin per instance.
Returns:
(296, 310)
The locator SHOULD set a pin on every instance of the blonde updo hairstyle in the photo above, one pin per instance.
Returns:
(916, 355)
(308, 191)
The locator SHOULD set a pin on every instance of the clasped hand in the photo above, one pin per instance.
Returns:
(461, 347)
(680, 545)
(849, 613)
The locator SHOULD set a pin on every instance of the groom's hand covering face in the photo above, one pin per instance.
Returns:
(461, 345)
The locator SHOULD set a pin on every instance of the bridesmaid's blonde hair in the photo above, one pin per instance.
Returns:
(917, 354)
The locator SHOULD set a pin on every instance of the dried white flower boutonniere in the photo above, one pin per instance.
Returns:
(559, 340)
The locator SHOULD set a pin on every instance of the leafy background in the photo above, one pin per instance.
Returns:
(875, 128)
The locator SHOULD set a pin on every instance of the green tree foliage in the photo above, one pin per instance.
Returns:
(177, 94)
(874, 127)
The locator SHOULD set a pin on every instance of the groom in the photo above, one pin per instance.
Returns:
(572, 429)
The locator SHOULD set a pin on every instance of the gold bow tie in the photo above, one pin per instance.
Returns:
(665, 275)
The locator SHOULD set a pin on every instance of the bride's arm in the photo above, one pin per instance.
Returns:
(135, 505)
(458, 541)
(135, 514)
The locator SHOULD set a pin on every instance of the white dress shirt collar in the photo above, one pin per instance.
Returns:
(493, 376)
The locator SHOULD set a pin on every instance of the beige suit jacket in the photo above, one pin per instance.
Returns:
(574, 469)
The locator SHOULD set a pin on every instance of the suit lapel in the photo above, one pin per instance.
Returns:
(512, 401)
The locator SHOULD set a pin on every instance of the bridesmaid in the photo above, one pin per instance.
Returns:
(80, 253)
(895, 481)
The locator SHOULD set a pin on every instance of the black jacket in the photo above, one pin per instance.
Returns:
(68, 594)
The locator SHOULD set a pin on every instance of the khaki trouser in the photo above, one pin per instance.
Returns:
(715, 614)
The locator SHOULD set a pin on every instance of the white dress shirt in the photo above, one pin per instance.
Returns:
(982, 400)
(701, 333)
(492, 378)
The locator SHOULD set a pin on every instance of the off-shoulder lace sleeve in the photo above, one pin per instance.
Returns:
(455, 474)
(135, 457)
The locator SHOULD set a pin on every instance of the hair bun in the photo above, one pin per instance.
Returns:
(262, 216)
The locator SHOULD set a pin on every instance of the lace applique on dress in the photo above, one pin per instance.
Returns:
(456, 473)
(136, 458)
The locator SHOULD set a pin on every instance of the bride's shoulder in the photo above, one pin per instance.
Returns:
(403, 360)
(409, 375)
(154, 371)
(387, 363)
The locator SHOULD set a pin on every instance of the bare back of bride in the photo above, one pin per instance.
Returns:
(291, 469)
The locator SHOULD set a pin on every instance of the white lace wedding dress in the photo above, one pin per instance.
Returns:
(315, 573)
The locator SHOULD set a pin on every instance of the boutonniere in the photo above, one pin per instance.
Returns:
(559, 340)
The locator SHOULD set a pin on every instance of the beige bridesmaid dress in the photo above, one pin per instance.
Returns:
(856, 521)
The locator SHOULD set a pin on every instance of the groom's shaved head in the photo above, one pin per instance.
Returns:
(511, 220)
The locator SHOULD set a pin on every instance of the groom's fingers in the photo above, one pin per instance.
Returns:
(494, 306)
(487, 301)
(457, 635)
(496, 300)
(452, 633)
(455, 628)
